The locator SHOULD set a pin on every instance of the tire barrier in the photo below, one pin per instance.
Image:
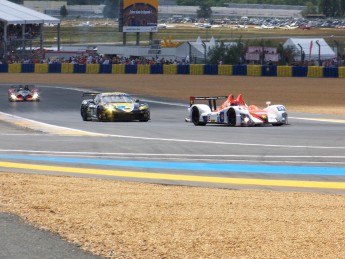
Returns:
(254, 70)
(118, 69)
(314, 71)
(92, 68)
(240, 70)
(269, 71)
(143, 69)
(105, 69)
(225, 70)
(67, 68)
(193, 69)
(54, 68)
(4, 68)
(210, 70)
(299, 71)
(284, 71)
(169, 69)
(156, 69)
(196, 69)
(41, 68)
(15, 68)
(341, 72)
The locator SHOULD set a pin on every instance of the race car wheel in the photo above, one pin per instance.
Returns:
(232, 117)
(100, 114)
(83, 114)
(196, 117)
(145, 117)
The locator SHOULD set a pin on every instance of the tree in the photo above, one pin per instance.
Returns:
(311, 8)
(63, 11)
(111, 8)
(342, 7)
(228, 54)
(331, 8)
(204, 11)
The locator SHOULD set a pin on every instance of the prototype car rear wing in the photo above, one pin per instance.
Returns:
(90, 94)
(212, 100)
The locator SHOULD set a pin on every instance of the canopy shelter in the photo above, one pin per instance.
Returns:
(21, 24)
(308, 49)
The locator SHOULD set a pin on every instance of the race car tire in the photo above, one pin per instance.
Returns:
(83, 114)
(145, 117)
(196, 117)
(100, 114)
(232, 117)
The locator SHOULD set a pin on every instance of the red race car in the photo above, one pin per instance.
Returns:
(23, 93)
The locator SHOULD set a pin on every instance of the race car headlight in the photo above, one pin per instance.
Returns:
(143, 107)
(13, 96)
(35, 96)
(109, 108)
(245, 118)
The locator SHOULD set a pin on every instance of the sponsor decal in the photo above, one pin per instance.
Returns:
(281, 108)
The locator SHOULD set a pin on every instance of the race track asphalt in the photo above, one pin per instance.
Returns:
(308, 154)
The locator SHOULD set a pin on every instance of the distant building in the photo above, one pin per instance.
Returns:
(169, 8)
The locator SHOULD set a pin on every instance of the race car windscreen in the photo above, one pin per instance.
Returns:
(117, 99)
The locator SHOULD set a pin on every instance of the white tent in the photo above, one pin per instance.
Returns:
(312, 47)
(12, 13)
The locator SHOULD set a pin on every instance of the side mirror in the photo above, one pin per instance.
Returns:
(137, 100)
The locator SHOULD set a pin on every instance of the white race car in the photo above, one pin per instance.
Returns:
(234, 112)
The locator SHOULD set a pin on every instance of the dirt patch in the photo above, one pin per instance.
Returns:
(117, 219)
(132, 220)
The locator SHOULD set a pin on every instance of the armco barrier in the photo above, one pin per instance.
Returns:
(193, 69)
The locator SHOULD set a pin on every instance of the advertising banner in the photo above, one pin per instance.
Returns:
(139, 15)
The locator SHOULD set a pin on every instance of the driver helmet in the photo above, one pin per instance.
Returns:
(235, 103)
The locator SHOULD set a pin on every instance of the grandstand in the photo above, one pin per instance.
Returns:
(20, 27)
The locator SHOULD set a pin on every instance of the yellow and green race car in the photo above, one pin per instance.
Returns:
(113, 106)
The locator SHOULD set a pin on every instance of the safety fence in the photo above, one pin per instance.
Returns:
(192, 69)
